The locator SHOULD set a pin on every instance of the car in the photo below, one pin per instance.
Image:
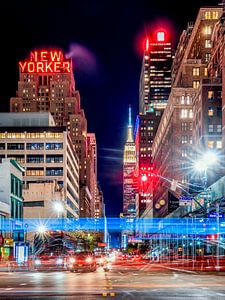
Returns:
(82, 261)
(101, 259)
(48, 262)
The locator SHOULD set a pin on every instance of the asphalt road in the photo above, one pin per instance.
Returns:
(124, 281)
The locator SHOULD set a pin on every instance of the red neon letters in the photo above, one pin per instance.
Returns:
(46, 62)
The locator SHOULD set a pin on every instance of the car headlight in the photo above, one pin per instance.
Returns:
(37, 262)
(89, 259)
(59, 261)
(72, 260)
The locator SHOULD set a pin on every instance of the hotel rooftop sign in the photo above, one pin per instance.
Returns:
(46, 61)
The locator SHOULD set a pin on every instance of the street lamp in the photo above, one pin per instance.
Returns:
(58, 207)
(41, 229)
(203, 164)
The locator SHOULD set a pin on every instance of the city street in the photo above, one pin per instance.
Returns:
(125, 280)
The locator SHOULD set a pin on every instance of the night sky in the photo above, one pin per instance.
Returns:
(104, 38)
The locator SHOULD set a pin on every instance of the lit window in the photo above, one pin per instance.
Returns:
(219, 144)
(215, 15)
(210, 94)
(210, 111)
(196, 71)
(184, 113)
(196, 84)
(210, 128)
(208, 44)
(190, 113)
(210, 144)
(219, 128)
(184, 152)
(188, 100)
(184, 139)
(206, 72)
(208, 29)
(182, 100)
(208, 15)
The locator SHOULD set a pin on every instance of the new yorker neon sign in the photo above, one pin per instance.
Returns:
(45, 61)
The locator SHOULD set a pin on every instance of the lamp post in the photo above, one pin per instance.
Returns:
(202, 165)
(59, 208)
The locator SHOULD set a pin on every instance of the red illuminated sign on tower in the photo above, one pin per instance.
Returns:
(46, 61)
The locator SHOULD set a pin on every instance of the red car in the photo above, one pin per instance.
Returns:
(82, 261)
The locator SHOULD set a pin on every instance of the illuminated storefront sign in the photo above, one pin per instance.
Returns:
(44, 61)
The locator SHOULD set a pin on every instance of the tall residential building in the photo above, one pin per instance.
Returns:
(129, 179)
(46, 154)
(174, 147)
(46, 84)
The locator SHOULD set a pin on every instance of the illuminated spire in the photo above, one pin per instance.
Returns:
(147, 44)
(130, 138)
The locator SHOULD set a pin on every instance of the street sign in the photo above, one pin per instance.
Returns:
(214, 215)
(185, 201)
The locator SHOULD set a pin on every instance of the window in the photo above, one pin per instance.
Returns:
(206, 72)
(184, 113)
(208, 29)
(210, 95)
(15, 146)
(182, 100)
(190, 126)
(207, 57)
(184, 152)
(208, 44)
(210, 111)
(35, 172)
(184, 126)
(210, 144)
(219, 128)
(54, 159)
(219, 144)
(54, 171)
(2, 146)
(195, 71)
(35, 158)
(54, 146)
(35, 146)
(190, 113)
(33, 203)
(215, 15)
(188, 100)
(210, 128)
(184, 139)
(208, 15)
(196, 84)
(185, 179)
(219, 112)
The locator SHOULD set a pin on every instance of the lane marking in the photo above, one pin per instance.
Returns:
(8, 289)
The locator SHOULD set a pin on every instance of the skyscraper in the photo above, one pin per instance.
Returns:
(46, 83)
(154, 89)
(155, 79)
(129, 166)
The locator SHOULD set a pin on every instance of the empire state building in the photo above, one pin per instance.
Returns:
(129, 179)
